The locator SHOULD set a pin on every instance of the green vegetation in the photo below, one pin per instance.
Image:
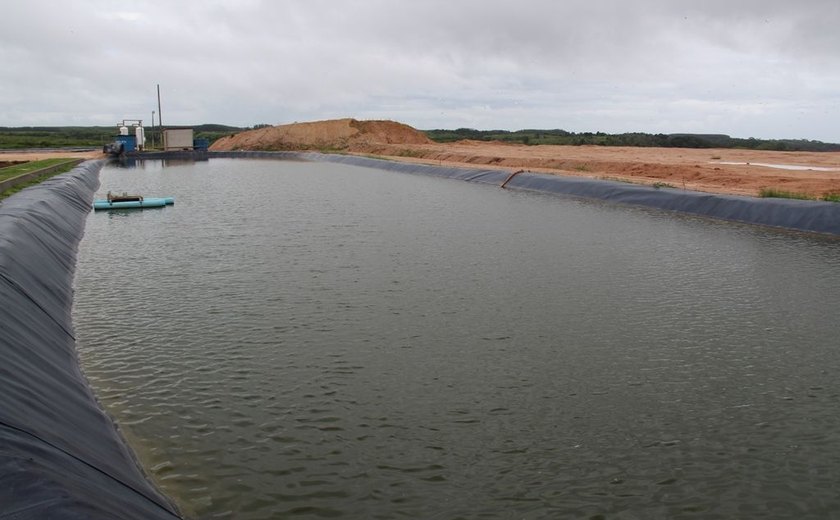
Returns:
(20, 169)
(656, 185)
(55, 137)
(323, 149)
(617, 179)
(12, 138)
(563, 137)
(210, 132)
(782, 194)
(97, 136)
(625, 180)
(409, 153)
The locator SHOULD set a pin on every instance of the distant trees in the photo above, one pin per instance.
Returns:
(563, 137)
(54, 137)
(89, 136)
(96, 136)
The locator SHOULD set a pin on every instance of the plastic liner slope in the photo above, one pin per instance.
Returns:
(801, 215)
(60, 454)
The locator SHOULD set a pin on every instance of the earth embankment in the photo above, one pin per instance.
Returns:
(732, 171)
(337, 135)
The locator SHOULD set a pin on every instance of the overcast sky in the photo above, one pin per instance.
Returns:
(751, 68)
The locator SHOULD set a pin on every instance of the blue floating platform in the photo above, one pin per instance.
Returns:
(147, 202)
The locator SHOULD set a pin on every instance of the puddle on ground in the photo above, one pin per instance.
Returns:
(797, 167)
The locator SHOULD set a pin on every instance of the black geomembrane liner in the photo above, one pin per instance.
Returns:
(60, 454)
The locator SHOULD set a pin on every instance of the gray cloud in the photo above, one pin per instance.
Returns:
(748, 68)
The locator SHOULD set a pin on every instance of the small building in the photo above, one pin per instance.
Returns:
(178, 139)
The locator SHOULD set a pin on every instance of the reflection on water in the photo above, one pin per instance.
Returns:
(313, 340)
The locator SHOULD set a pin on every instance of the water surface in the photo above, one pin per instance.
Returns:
(309, 340)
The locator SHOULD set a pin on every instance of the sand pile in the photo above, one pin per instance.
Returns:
(337, 134)
(744, 172)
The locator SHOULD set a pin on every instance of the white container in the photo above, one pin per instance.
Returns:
(140, 135)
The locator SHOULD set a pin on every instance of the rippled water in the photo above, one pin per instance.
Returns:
(310, 340)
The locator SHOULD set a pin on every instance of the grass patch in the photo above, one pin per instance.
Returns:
(639, 182)
(582, 168)
(782, 194)
(20, 169)
(618, 179)
(332, 150)
(407, 152)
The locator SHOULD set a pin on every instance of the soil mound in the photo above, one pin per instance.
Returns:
(741, 172)
(337, 134)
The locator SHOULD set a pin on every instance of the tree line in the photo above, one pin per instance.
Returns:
(90, 136)
(96, 136)
(563, 137)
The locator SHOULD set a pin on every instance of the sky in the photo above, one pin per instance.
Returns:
(767, 69)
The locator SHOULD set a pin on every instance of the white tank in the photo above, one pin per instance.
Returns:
(123, 130)
(140, 135)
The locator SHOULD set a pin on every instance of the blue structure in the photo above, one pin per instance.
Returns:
(129, 142)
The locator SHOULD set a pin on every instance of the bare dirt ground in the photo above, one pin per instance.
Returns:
(37, 156)
(336, 134)
(692, 169)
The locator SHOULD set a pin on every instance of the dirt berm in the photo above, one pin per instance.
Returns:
(742, 172)
(337, 134)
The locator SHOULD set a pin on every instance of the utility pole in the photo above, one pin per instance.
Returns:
(153, 128)
(160, 120)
